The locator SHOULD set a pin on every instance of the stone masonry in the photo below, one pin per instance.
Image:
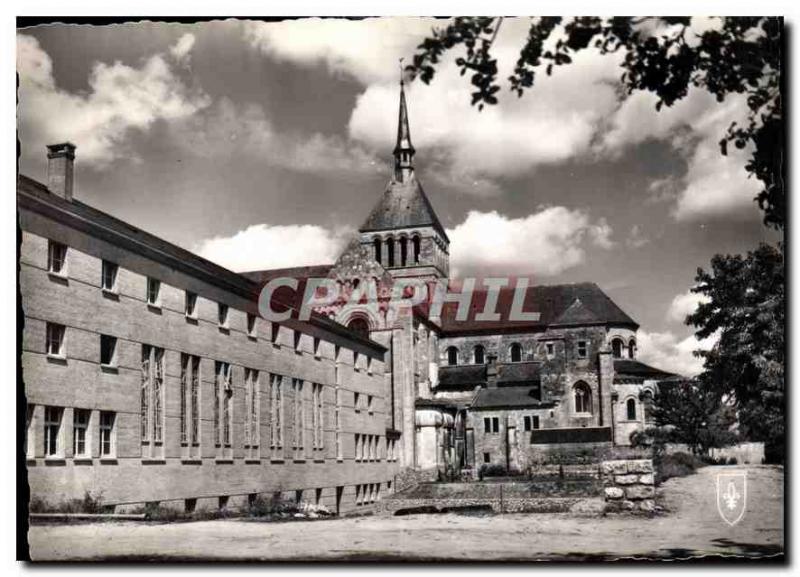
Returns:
(628, 485)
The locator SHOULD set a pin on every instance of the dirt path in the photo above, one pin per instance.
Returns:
(692, 527)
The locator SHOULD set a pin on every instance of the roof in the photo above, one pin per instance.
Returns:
(556, 305)
(298, 272)
(35, 197)
(461, 377)
(518, 373)
(403, 205)
(634, 368)
(501, 397)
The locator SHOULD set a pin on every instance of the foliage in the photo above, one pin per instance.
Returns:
(88, 504)
(491, 470)
(676, 465)
(746, 308)
(662, 55)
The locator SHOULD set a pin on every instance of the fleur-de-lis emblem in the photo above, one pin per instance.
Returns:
(731, 496)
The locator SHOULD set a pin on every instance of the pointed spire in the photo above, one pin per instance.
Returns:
(404, 150)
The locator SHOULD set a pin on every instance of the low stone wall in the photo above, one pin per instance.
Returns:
(410, 477)
(744, 453)
(628, 485)
(505, 505)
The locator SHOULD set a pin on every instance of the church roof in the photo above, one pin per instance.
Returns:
(403, 205)
(557, 305)
(634, 368)
(298, 272)
(501, 397)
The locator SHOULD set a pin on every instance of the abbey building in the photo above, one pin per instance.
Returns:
(150, 375)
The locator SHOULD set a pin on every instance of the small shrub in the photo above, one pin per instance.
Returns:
(733, 461)
(491, 470)
(676, 465)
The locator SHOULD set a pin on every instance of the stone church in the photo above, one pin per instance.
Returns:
(468, 392)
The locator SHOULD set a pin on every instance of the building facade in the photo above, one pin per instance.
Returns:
(150, 375)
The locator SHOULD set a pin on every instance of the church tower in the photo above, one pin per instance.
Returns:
(402, 231)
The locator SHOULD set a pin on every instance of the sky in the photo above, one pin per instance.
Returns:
(265, 144)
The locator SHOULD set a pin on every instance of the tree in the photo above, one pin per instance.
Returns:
(662, 56)
(746, 308)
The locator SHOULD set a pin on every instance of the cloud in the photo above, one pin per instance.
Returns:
(228, 130)
(120, 99)
(668, 352)
(683, 305)
(263, 246)
(713, 185)
(636, 238)
(181, 49)
(546, 242)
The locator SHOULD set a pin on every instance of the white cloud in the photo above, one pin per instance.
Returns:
(226, 130)
(120, 99)
(668, 352)
(261, 247)
(546, 242)
(181, 49)
(636, 238)
(683, 305)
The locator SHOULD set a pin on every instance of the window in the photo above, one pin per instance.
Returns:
(536, 421)
(298, 341)
(487, 457)
(358, 447)
(583, 349)
(190, 401)
(516, 353)
(252, 327)
(107, 419)
(317, 347)
(276, 409)
(152, 396)
(222, 315)
(415, 241)
(29, 433)
(550, 350)
(452, 356)
(531, 422)
(478, 355)
(369, 404)
(252, 404)
(359, 326)
(583, 398)
(316, 415)
(377, 249)
(55, 340)
(80, 424)
(108, 350)
(52, 431)
(357, 402)
(390, 252)
(299, 418)
(630, 407)
(631, 349)
(109, 276)
(56, 258)
(190, 305)
(403, 251)
(616, 348)
(223, 404)
(491, 424)
(337, 422)
(273, 334)
(153, 292)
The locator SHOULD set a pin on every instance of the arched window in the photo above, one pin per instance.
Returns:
(478, 355)
(389, 252)
(631, 349)
(583, 397)
(647, 403)
(630, 408)
(359, 326)
(616, 348)
(377, 245)
(403, 251)
(452, 356)
(516, 352)
(415, 242)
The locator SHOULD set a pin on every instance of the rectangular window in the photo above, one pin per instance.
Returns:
(152, 397)
(55, 340)
(252, 327)
(316, 347)
(583, 349)
(190, 305)
(298, 342)
(487, 457)
(528, 422)
(273, 333)
(185, 376)
(357, 402)
(252, 402)
(316, 416)
(551, 350)
(56, 258)
(222, 315)
(108, 351)
(536, 421)
(80, 426)
(109, 276)
(487, 425)
(299, 418)
(29, 434)
(356, 364)
(52, 431)
(153, 292)
(195, 403)
(223, 404)
(358, 447)
(495, 425)
(276, 409)
(107, 443)
(369, 404)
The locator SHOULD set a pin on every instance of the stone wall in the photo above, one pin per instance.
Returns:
(628, 485)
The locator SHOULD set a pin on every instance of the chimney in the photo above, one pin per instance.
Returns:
(60, 168)
(491, 371)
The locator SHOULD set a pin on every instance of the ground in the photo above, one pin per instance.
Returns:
(690, 527)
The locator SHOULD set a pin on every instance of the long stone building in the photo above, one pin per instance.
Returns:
(151, 376)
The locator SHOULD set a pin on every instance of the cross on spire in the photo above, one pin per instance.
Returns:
(404, 150)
